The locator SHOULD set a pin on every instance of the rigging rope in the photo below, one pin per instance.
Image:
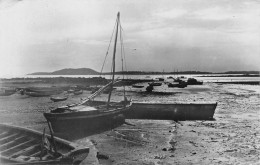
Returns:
(108, 49)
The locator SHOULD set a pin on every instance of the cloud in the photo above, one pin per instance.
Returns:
(57, 34)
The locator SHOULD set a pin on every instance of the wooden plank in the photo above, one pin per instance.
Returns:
(5, 144)
(3, 133)
(24, 150)
(35, 154)
(5, 138)
(19, 145)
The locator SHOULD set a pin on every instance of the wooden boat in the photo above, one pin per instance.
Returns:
(56, 99)
(173, 85)
(53, 90)
(70, 91)
(38, 94)
(137, 86)
(155, 84)
(193, 81)
(171, 111)
(78, 92)
(25, 146)
(89, 114)
(7, 92)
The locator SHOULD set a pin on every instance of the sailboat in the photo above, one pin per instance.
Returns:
(89, 114)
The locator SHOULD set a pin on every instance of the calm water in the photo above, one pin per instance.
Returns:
(205, 79)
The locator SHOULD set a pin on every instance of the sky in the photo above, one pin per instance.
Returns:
(48, 35)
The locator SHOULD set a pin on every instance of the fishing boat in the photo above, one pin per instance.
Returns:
(25, 146)
(171, 111)
(90, 114)
(56, 99)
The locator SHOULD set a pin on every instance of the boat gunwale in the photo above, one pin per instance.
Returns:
(35, 133)
(84, 114)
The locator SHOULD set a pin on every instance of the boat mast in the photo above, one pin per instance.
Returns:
(113, 62)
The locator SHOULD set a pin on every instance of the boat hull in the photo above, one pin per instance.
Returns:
(56, 99)
(74, 125)
(23, 146)
(176, 111)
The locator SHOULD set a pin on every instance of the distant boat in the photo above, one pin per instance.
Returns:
(79, 92)
(155, 84)
(193, 81)
(181, 84)
(7, 92)
(70, 91)
(41, 91)
(25, 146)
(90, 114)
(38, 94)
(160, 79)
(137, 86)
(53, 90)
(56, 99)
(173, 85)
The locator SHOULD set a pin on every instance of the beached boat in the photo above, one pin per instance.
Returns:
(155, 84)
(173, 85)
(56, 99)
(41, 91)
(90, 114)
(181, 84)
(25, 146)
(7, 92)
(38, 94)
(171, 111)
(78, 92)
(137, 86)
(193, 81)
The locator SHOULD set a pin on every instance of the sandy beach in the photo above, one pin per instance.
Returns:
(232, 138)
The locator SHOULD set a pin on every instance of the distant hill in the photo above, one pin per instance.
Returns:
(88, 71)
(69, 71)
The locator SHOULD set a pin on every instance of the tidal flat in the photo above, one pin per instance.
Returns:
(232, 138)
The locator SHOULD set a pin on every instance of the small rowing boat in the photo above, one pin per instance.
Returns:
(25, 146)
(171, 111)
(137, 86)
(79, 92)
(56, 99)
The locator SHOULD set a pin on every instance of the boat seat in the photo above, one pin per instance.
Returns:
(16, 154)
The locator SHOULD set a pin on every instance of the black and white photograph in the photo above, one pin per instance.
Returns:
(130, 82)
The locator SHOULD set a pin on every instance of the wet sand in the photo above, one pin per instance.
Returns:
(233, 138)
